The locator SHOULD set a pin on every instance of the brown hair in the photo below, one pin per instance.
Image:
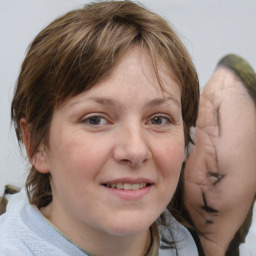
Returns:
(75, 51)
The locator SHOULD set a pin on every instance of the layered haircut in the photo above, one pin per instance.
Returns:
(75, 52)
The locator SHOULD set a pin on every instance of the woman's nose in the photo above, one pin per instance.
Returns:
(131, 147)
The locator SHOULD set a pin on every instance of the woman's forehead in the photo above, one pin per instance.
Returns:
(136, 71)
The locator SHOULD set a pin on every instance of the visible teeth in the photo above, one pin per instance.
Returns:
(119, 186)
(143, 185)
(127, 186)
(135, 186)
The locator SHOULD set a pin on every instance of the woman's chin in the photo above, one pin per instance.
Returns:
(126, 228)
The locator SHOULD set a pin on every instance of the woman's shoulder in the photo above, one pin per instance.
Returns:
(176, 238)
(9, 220)
(25, 231)
(11, 229)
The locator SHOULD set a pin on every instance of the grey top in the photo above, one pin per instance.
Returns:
(25, 231)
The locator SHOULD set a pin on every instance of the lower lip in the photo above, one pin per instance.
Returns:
(130, 194)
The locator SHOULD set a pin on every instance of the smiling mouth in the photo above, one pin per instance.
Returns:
(127, 186)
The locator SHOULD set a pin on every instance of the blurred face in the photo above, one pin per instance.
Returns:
(115, 152)
(221, 169)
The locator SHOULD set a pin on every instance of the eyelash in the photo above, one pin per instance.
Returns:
(87, 119)
(98, 118)
(161, 117)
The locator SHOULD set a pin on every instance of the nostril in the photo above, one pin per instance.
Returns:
(126, 161)
(131, 154)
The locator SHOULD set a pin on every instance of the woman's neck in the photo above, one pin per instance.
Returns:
(97, 242)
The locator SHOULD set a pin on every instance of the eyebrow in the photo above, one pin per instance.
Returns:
(160, 101)
(113, 102)
(100, 100)
(105, 101)
(151, 103)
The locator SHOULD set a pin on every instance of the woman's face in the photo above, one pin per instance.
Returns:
(115, 151)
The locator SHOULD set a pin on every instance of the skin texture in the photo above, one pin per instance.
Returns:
(220, 173)
(138, 135)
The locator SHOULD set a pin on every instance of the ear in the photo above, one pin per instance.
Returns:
(38, 159)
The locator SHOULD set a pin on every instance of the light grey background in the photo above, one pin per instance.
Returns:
(209, 29)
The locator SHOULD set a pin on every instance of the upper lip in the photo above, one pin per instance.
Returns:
(129, 181)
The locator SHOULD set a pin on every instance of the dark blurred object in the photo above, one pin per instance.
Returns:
(9, 189)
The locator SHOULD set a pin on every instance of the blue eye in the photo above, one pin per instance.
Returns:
(159, 120)
(95, 120)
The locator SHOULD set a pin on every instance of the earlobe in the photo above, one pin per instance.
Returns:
(38, 158)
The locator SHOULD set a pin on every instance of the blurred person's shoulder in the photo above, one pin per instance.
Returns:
(175, 239)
